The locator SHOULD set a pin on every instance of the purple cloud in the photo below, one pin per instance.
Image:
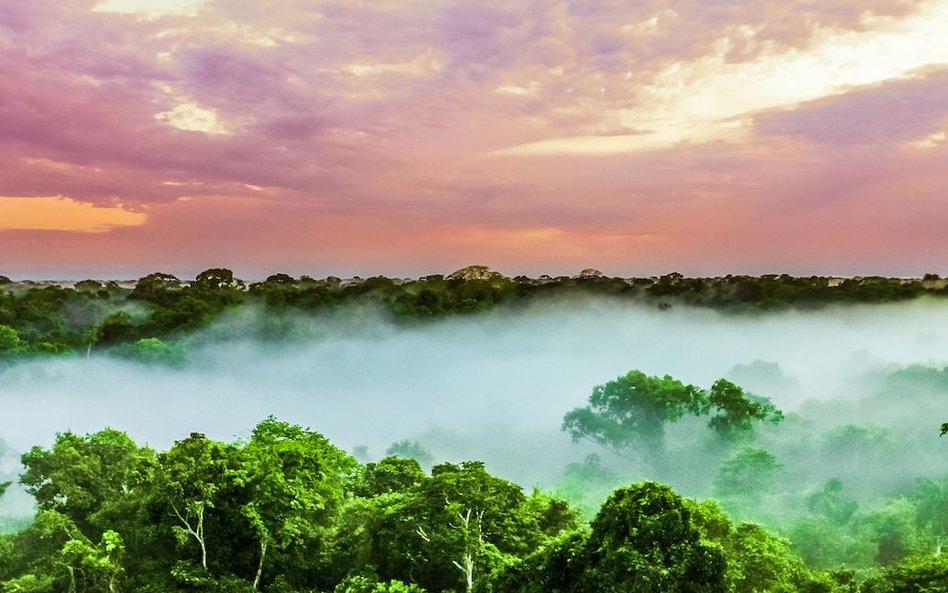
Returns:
(891, 112)
(383, 112)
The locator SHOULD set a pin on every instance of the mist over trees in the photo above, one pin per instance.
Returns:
(288, 511)
(49, 318)
(698, 468)
(632, 412)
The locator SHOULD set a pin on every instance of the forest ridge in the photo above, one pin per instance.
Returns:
(46, 318)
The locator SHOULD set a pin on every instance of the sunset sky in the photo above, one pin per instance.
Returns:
(418, 136)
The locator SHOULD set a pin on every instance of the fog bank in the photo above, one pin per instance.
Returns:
(492, 387)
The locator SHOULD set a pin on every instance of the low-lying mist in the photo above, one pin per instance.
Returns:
(495, 386)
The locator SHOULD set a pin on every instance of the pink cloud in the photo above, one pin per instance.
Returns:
(357, 133)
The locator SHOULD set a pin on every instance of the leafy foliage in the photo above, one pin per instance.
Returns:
(736, 411)
(50, 319)
(918, 575)
(287, 512)
(633, 411)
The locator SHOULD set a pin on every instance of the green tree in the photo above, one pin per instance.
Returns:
(38, 564)
(643, 540)
(216, 279)
(556, 567)
(362, 584)
(87, 478)
(830, 502)
(190, 476)
(757, 561)
(392, 474)
(159, 289)
(894, 530)
(632, 412)
(153, 351)
(114, 329)
(736, 411)
(454, 528)
(9, 338)
(825, 545)
(296, 481)
(94, 567)
(217, 288)
(744, 481)
(410, 449)
(917, 575)
(586, 485)
(931, 511)
(762, 562)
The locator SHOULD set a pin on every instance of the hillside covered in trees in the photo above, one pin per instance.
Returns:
(285, 510)
(50, 318)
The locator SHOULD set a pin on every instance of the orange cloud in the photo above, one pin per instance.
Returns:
(62, 214)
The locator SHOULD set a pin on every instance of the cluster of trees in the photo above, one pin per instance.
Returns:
(285, 511)
(791, 478)
(632, 412)
(143, 321)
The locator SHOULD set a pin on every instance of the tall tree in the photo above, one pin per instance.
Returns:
(87, 477)
(734, 411)
(451, 530)
(832, 503)
(632, 411)
(190, 476)
(643, 540)
(296, 481)
(744, 480)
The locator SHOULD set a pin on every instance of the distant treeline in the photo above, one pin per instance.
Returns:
(43, 318)
(286, 511)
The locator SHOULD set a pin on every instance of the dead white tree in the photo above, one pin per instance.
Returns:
(471, 527)
(194, 512)
(472, 544)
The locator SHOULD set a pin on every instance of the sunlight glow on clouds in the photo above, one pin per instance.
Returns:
(62, 214)
(418, 67)
(929, 141)
(150, 8)
(190, 116)
(691, 102)
(751, 135)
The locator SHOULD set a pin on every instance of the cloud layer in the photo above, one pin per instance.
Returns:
(541, 136)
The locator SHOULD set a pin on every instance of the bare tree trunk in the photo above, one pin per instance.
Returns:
(468, 567)
(263, 554)
(72, 579)
(468, 570)
(197, 532)
(200, 537)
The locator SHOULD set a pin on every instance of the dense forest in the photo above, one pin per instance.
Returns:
(285, 510)
(678, 487)
(144, 318)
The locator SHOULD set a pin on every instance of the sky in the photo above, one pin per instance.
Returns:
(533, 136)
